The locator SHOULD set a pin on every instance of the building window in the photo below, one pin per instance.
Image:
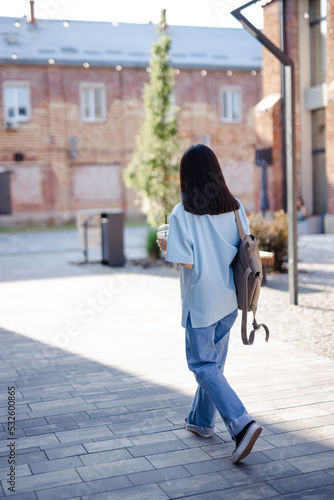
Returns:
(231, 105)
(93, 102)
(16, 98)
(318, 27)
(319, 161)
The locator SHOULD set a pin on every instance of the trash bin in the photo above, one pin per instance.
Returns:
(112, 227)
(5, 199)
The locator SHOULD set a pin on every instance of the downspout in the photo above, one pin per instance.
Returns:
(289, 150)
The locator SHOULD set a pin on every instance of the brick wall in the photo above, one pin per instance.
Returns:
(45, 139)
(330, 108)
(268, 125)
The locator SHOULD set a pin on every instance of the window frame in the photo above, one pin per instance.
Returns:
(92, 86)
(228, 89)
(15, 84)
(318, 34)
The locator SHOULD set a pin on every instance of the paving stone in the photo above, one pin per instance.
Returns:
(20, 409)
(31, 495)
(65, 451)
(109, 397)
(56, 464)
(310, 463)
(105, 457)
(91, 472)
(19, 433)
(56, 403)
(253, 473)
(303, 423)
(293, 438)
(151, 491)
(94, 422)
(88, 390)
(20, 470)
(203, 483)
(41, 441)
(155, 448)
(30, 422)
(156, 437)
(323, 493)
(107, 411)
(182, 457)
(58, 395)
(88, 488)
(327, 431)
(301, 482)
(22, 457)
(217, 465)
(60, 410)
(26, 450)
(81, 435)
(110, 444)
(250, 492)
(150, 405)
(299, 450)
(47, 480)
(193, 441)
(48, 428)
(48, 391)
(149, 425)
(78, 417)
(154, 476)
(37, 382)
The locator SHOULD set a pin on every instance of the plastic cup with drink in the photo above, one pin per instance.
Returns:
(163, 232)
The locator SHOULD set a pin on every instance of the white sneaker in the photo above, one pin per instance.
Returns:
(204, 432)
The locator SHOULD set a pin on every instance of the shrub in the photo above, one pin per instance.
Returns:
(272, 235)
(151, 245)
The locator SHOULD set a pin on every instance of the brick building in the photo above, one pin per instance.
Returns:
(308, 27)
(71, 103)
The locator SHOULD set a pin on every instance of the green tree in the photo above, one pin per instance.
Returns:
(154, 169)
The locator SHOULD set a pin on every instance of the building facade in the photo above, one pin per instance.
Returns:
(71, 104)
(305, 28)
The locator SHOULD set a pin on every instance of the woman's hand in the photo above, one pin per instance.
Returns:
(187, 266)
(162, 244)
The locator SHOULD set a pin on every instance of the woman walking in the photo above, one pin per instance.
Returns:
(203, 239)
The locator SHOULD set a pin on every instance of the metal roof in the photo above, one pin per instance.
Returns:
(111, 44)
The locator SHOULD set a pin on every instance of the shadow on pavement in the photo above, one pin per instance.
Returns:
(87, 429)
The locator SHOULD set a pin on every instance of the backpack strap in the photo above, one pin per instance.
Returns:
(244, 312)
(239, 224)
(256, 326)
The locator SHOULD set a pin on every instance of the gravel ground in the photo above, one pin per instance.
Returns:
(309, 325)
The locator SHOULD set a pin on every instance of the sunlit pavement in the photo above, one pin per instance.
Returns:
(96, 357)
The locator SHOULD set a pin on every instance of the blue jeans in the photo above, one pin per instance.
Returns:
(206, 351)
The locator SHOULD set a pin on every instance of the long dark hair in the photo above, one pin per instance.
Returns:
(203, 187)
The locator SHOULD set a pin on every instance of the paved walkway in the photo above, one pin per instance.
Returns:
(96, 356)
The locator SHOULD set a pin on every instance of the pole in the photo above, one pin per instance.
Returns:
(291, 182)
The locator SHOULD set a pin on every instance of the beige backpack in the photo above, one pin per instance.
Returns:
(247, 270)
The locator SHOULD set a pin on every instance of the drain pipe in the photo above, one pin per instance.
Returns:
(289, 138)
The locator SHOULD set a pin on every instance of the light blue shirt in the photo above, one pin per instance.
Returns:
(209, 242)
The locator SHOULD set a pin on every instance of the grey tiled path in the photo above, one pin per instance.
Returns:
(96, 356)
